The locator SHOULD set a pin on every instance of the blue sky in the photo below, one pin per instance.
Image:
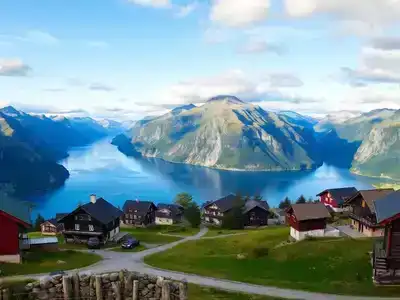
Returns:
(127, 58)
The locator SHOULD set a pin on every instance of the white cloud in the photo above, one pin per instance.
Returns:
(40, 37)
(152, 3)
(378, 12)
(258, 46)
(284, 80)
(13, 67)
(98, 86)
(239, 13)
(185, 10)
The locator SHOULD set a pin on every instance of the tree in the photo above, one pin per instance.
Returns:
(183, 199)
(286, 203)
(192, 214)
(234, 219)
(301, 200)
(257, 198)
(39, 220)
(247, 198)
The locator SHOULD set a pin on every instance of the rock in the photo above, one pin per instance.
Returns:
(141, 285)
(150, 286)
(60, 262)
(42, 295)
(45, 282)
(241, 256)
(52, 290)
(36, 284)
(36, 290)
(59, 287)
(145, 291)
(159, 281)
(57, 277)
(29, 287)
(114, 276)
(105, 278)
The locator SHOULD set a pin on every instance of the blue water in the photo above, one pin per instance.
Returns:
(101, 169)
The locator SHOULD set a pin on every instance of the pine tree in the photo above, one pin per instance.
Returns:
(301, 200)
(284, 204)
(183, 199)
(39, 220)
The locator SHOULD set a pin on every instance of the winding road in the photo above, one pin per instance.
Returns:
(113, 261)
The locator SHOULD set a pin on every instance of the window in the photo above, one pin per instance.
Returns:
(91, 228)
(76, 226)
(132, 216)
(127, 216)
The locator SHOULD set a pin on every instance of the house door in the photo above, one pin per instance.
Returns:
(360, 227)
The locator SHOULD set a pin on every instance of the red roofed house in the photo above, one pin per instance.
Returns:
(335, 198)
(307, 219)
(14, 221)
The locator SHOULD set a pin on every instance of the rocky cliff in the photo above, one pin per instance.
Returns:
(224, 133)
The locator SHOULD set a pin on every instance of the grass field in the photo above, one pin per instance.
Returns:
(150, 235)
(43, 262)
(215, 231)
(202, 293)
(339, 266)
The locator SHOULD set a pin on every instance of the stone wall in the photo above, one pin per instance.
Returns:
(121, 285)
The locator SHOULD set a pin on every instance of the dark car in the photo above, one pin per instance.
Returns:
(130, 243)
(93, 243)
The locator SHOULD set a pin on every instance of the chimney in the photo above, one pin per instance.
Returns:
(93, 198)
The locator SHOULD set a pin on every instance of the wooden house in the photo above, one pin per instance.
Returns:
(98, 218)
(14, 222)
(49, 227)
(335, 198)
(362, 211)
(307, 219)
(139, 213)
(386, 251)
(256, 212)
(168, 214)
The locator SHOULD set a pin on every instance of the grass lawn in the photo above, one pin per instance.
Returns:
(203, 293)
(216, 231)
(43, 262)
(338, 266)
(136, 249)
(179, 230)
(150, 235)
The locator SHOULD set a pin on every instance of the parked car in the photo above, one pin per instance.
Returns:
(93, 243)
(130, 243)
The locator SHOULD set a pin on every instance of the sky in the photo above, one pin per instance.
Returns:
(125, 59)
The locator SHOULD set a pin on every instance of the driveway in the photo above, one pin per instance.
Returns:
(113, 261)
(347, 230)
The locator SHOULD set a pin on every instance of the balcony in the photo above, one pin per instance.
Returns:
(365, 220)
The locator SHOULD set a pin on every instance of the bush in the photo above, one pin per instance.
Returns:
(310, 238)
(260, 252)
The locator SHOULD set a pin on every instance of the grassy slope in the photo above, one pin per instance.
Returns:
(136, 249)
(215, 231)
(151, 236)
(339, 266)
(43, 262)
(202, 293)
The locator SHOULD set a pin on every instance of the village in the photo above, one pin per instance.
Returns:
(235, 237)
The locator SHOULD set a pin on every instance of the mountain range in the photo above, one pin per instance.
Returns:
(227, 133)
(31, 146)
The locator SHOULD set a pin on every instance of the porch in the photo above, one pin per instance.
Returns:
(386, 269)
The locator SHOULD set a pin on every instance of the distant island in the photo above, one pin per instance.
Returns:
(228, 133)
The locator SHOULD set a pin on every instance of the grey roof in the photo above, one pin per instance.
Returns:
(387, 207)
(15, 208)
(340, 194)
(250, 204)
(224, 204)
(101, 210)
(309, 211)
(60, 216)
(279, 212)
(142, 207)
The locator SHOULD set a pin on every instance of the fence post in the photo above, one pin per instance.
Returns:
(135, 290)
(66, 287)
(75, 286)
(6, 294)
(116, 286)
(166, 290)
(183, 291)
(99, 294)
(122, 282)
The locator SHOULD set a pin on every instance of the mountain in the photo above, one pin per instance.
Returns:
(379, 153)
(30, 147)
(298, 119)
(113, 127)
(224, 133)
(331, 120)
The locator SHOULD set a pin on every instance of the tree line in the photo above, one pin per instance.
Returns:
(286, 203)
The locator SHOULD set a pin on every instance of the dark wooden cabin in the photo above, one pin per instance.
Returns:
(386, 252)
(168, 214)
(255, 212)
(362, 211)
(139, 213)
(335, 198)
(98, 218)
(307, 219)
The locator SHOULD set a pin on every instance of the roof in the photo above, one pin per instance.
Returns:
(52, 221)
(387, 206)
(279, 212)
(225, 203)
(370, 196)
(15, 208)
(101, 210)
(140, 206)
(340, 194)
(60, 216)
(310, 211)
(250, 204)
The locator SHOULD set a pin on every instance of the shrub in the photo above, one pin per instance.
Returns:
(310, 238)
(260, 252)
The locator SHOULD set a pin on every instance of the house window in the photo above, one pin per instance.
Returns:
(132, 216)
(363, 203)
(127, 216)
(76, 226)
(91, 228)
